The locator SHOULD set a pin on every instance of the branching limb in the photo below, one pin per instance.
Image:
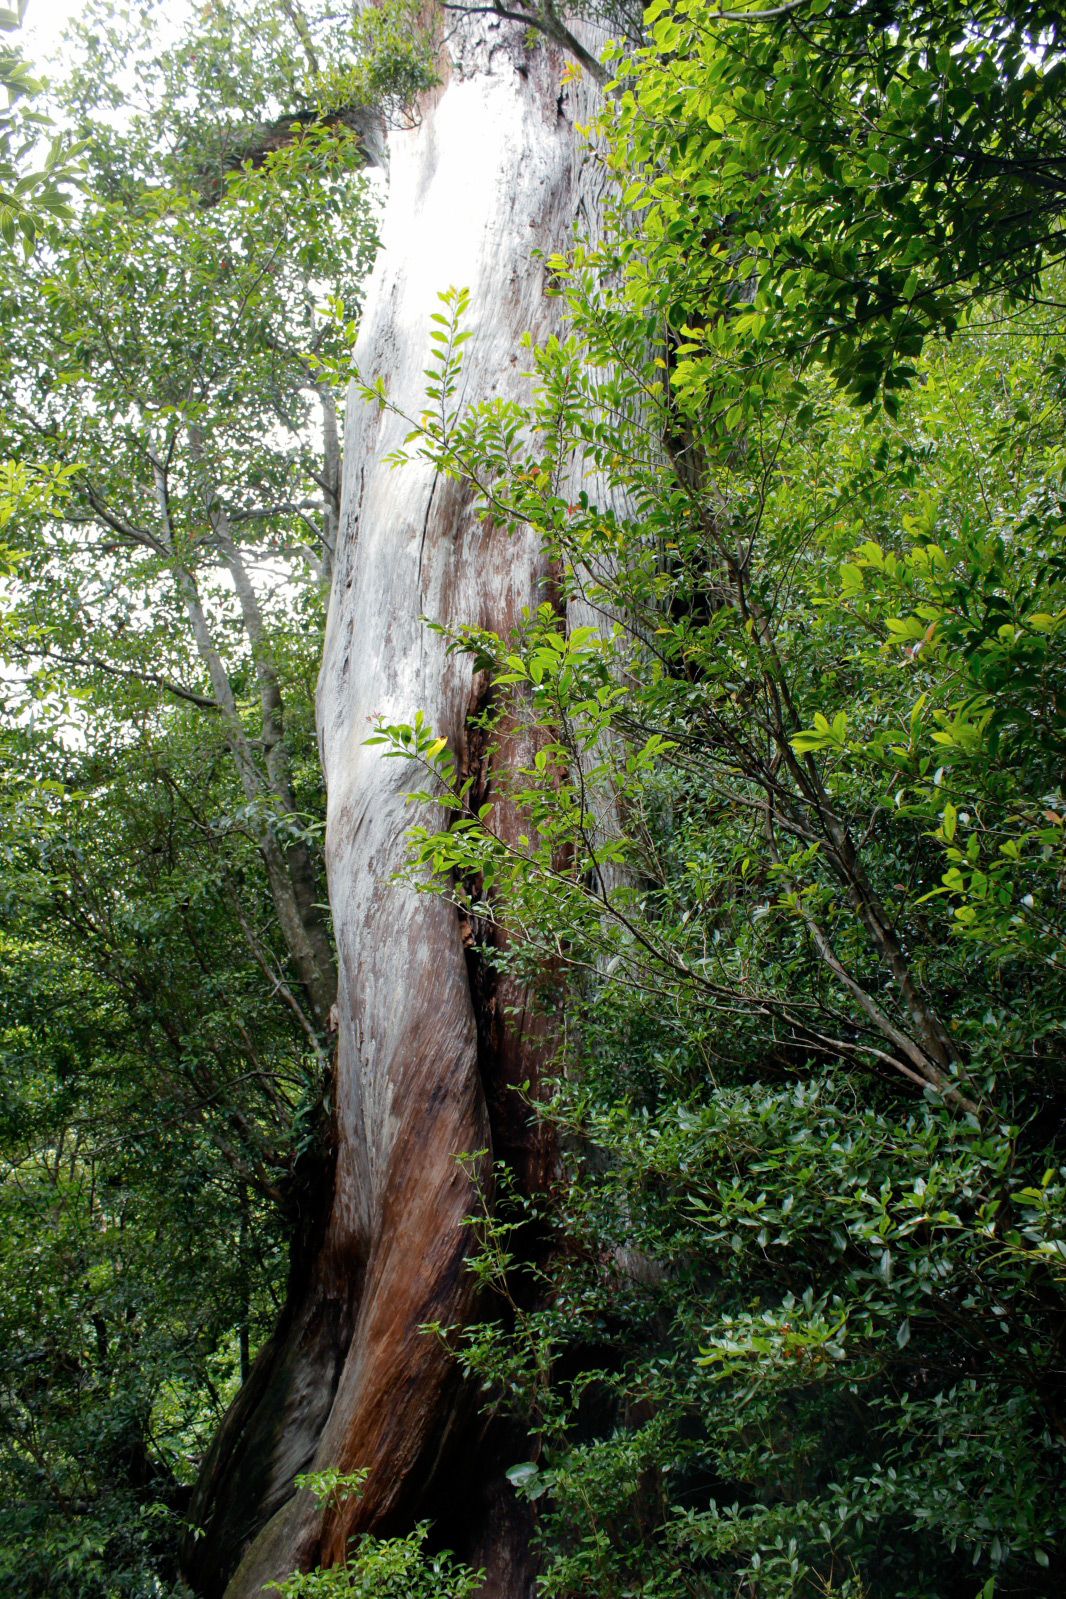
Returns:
(131, 674)
(547, 21)
(768, 15)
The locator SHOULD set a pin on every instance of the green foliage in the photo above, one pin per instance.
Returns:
(154, 1094)
(31, 196)
(332, 1487)
(388, 1568)
(837, 182)
(794, 839)
(795, 816)
(164, 1064)
(392, 62)
(23, 494)
(379, 1568)
(223, 86)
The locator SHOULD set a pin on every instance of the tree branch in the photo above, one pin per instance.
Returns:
(131, 674)
(546, 21)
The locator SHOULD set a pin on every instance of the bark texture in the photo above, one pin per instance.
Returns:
(428, 1042)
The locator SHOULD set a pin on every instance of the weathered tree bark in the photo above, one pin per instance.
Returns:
(430, 1045)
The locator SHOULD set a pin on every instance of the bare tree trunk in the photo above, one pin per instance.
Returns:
(312, 951)
(331, 477)
(290, 873)
(430, 1045)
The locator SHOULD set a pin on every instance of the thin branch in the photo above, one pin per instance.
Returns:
(131, 674)
(546, 21)
(755, 16)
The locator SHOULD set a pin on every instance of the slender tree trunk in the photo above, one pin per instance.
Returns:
(290, 871)
(298, 865)
(430, 1045)
(331, 476)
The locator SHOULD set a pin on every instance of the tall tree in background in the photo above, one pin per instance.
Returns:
(164, 353)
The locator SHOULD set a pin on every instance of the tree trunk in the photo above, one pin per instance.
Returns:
(430, 1044)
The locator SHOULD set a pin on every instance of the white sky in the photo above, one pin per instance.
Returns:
(44, 23)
